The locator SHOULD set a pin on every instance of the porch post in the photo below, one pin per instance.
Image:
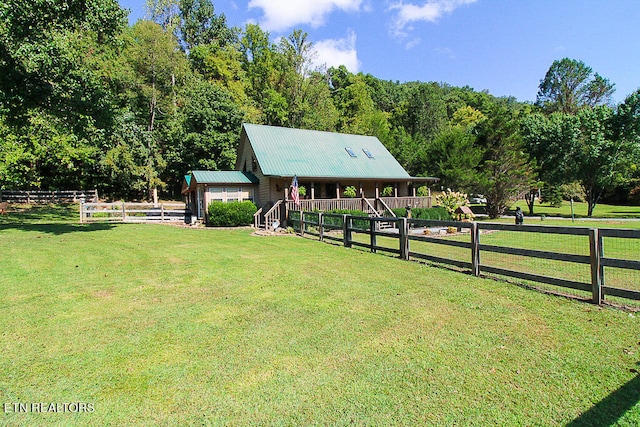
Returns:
(413, 188)
(337, 190)
(361, 189)
(377, 190)
(313, 191)
(395, 189)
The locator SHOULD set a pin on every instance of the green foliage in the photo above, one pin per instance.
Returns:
(570, 85)
(455, 158)
(350, 192)
(387, 191)
(423, 191)
(231, 214)
(582, 147)
(451, 200)
(439, 213)
(507, 171)
(362, 224)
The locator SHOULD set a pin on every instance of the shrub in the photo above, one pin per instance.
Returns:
(451, 200)
(438, 213)
(302, 191)
(387, 191)
(423, 191)
(231, 214)
(350, 192)
(364, 224)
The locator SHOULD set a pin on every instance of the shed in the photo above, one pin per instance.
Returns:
(203, 187)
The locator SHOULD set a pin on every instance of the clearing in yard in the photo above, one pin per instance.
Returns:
(162, 325)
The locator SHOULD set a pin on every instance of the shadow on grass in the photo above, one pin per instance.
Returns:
(57, 229)
(608, 411)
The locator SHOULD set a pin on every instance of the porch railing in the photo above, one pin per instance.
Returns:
(403, 202)
(326, 205)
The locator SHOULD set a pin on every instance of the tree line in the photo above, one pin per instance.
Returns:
(87, 100)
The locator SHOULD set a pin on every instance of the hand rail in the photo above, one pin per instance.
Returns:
(256, 218)
(386, 208)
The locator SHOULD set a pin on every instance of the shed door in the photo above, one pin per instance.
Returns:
(200, 202)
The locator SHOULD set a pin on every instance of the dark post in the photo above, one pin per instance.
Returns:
(320, 226)
(301, 222)
(404, 238)
(596, 265)
(475, 249)
(346, 230)
(372, 233)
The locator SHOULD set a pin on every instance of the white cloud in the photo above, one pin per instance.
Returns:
(430, 11)
(333, 53)
(446, 52)
(284, 14)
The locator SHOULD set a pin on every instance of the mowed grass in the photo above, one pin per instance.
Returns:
(161, 325)
(580, 210)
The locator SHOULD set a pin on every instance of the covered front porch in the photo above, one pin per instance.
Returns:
(331, 195)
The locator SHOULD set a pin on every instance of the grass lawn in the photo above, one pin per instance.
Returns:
(161, 325)
(580, 210)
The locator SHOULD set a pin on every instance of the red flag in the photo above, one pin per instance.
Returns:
(295, 196)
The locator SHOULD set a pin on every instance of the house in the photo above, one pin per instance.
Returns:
(325, 164)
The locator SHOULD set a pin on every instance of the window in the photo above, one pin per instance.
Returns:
(368, 153)
(351, 152)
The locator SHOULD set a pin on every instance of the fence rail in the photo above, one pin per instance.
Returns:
(40, 196)
(134, 212)
(471, 252)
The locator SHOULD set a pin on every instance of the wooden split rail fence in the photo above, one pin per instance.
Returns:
(134, 212)
(41, 196)
(471, 253)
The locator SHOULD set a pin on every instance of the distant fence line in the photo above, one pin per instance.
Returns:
(321, 224)
(134, 212)
(41, 196)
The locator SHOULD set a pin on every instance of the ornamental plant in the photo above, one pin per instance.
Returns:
(450, 200)
(350, 192)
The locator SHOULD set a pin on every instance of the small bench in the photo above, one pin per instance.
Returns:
(4, 206)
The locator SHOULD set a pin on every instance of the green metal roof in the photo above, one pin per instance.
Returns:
(224, 177)
(307, 153)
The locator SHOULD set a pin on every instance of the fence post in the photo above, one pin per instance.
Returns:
(404, 238)
(346, 230)
(124, 212)
(81, 212)
(161, 212)
(320, 226)
(301, 223)
(372, 234)
(475, 249)
(595, 252)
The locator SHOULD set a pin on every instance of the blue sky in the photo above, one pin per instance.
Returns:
(503, 46)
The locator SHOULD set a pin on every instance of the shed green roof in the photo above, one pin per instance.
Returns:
(224, 177)
(308, 153)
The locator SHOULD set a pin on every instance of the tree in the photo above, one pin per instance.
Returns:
(570, 85)
(506, 172)
(583, 147)
(454, 158)
(201, 26)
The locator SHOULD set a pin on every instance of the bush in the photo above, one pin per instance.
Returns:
(231, 214)
(438, 213)
(423, 191)
(356, 223)
(451, 200)
(387, 191)
(350, 192)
